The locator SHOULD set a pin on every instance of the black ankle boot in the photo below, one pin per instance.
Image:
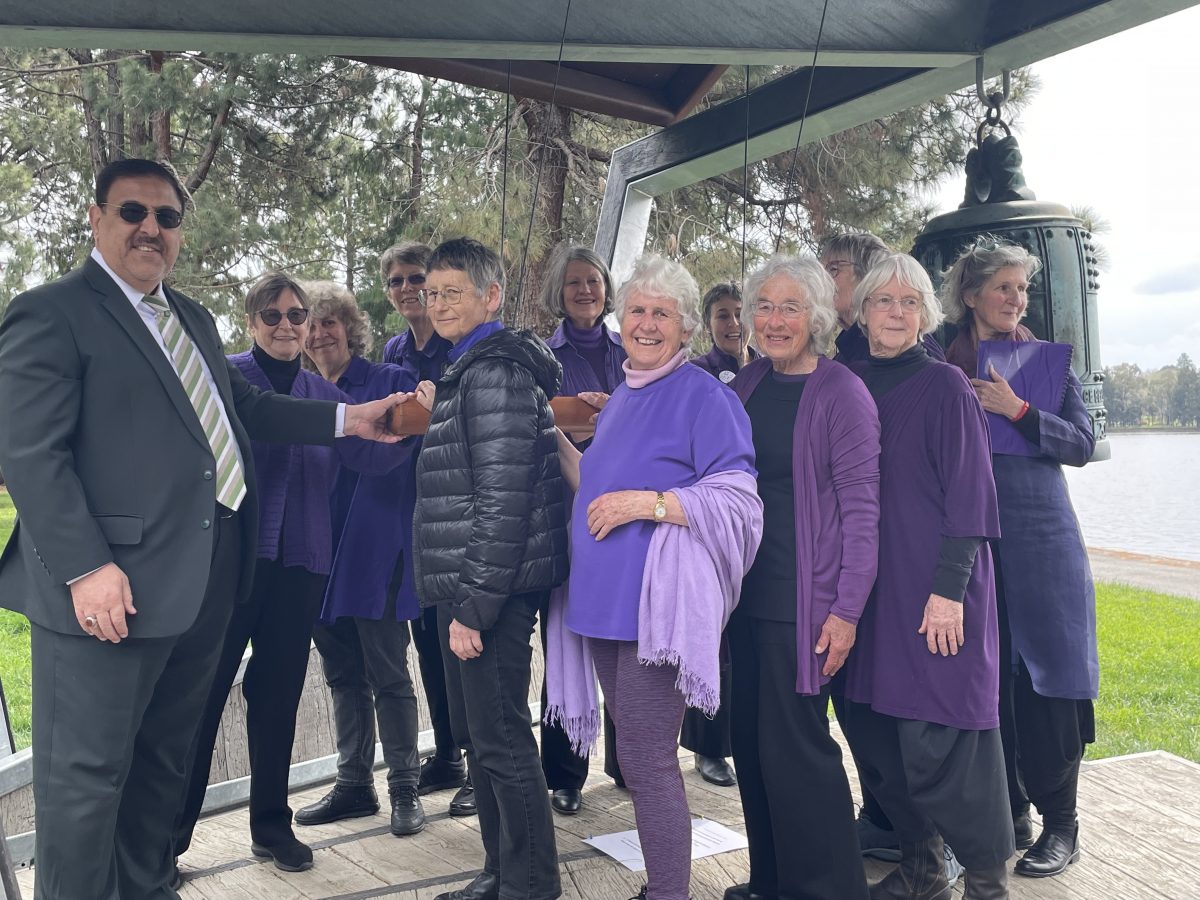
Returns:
(343, 802)
(921, 874)
(1050, 854)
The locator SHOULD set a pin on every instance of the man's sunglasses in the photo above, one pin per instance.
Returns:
(397, 281)
(133, 212)
(272, 317)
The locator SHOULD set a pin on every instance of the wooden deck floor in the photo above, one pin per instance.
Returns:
(1140, 835)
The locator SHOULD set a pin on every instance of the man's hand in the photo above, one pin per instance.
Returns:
(102, 601)
(837, 636)
(942, 625)
(465, 643)
(370, 420)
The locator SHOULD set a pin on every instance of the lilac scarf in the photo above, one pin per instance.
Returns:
(691, 584)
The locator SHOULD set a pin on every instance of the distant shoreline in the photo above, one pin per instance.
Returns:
(1162, 574)
(1151, 429)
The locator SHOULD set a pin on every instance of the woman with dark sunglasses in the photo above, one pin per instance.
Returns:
(295, 544)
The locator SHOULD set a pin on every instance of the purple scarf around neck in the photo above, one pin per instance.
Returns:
(964, 349)
(691, 583)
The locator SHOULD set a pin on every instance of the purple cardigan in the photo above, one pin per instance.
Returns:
(577, 374)
(835, 471)
(377, 513)
(295, 480)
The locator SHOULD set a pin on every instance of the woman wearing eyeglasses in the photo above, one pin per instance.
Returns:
(921, 686)
(295, 544)
(816, 442)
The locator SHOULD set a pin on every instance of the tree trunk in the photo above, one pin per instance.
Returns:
(97, 148)
(160, 120)
(549, 129)
(416, 183)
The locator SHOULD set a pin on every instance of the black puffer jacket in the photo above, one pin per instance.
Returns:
(490, 519)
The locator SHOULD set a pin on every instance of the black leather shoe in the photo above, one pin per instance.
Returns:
(484, 887)
(289, 855)
(566, 800)
(743, 892)
(343, 802)
(715, 770)
(463, 803)
(1050, 854)
(1023, 831)
(408, 816)
(438, 774)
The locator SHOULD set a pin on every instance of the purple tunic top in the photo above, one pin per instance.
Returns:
(835, 477)
(668, 434)
(578, 375)
(935, 480)
(372, 517)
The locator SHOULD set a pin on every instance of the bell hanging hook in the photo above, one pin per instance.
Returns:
(993, 101)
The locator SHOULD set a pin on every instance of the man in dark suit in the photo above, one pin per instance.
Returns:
(125, 439)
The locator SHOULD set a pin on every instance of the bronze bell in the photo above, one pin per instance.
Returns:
(1062, 296)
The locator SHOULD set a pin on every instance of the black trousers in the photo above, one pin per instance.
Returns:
(795, 794)
(365, 662)
(1044, 739)
(934, 779)
(433, 681)
(870, 806)
(113, 725)
(489, 713)
(278, 620)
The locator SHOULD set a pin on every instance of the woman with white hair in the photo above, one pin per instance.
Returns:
(816, 443)
(921, 686)
(665, 523)
(1049, 672)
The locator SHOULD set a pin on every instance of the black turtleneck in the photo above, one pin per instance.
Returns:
(281, 374)
(956, 556)
(882, 374)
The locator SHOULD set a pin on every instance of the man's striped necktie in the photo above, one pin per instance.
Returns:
(231, 481)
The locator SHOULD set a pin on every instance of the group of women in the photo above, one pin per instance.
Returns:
(846, 530)
(754, 532)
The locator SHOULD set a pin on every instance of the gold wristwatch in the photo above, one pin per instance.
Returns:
(660, 507)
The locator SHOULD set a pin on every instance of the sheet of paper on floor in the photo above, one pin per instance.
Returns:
(708, 839)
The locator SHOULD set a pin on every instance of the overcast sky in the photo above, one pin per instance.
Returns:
(1117, 127)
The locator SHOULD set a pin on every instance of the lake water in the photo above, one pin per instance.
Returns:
(1145, 499)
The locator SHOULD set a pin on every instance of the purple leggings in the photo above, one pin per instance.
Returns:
(648, 712)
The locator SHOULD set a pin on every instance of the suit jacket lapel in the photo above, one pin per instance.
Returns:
(118, 306)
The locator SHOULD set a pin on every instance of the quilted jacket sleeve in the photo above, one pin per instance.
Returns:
(500, 403)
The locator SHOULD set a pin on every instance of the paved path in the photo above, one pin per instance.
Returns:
(1152, 573)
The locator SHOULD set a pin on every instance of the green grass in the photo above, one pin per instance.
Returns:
(1149, 673)
(1149, 669)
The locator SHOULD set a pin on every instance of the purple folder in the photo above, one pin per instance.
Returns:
(1037, 372)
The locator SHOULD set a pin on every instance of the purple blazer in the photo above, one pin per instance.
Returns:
(295, 480)
(375, 514)
(578, 376)
(835, 471)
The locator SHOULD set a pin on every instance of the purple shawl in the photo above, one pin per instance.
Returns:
(835, 473)
(691, 583)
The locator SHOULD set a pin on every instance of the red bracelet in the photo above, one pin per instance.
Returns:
(1024, 409)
